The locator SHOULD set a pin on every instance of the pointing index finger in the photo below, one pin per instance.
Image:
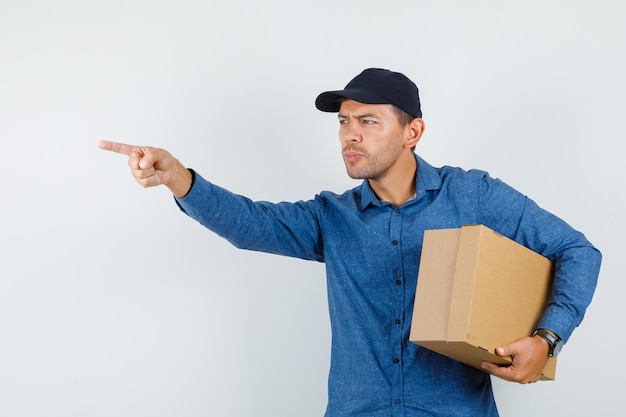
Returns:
(117, 147)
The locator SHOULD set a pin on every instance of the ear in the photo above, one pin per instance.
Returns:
(415, 129)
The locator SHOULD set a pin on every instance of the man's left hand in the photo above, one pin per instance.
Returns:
(530, 355)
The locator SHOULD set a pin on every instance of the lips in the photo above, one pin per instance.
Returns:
(352, 155)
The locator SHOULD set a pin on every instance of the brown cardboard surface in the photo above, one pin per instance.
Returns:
(478, 290)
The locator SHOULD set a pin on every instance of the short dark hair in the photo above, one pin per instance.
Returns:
(403, 117)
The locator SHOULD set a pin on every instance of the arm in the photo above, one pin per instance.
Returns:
(289, 229)
(285, 228)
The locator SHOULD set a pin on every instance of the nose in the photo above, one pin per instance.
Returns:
(350, 132)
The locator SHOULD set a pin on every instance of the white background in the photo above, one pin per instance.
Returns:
(113, 303)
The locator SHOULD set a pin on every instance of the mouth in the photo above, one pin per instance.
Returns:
(351, 155)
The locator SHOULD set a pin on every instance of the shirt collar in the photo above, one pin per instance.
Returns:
(427, 179)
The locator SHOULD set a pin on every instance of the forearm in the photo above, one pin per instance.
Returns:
(285, 228)
(575, 277)
(576, 267)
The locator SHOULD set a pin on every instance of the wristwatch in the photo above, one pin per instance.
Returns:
(554, 341)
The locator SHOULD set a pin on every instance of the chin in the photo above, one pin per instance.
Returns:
(357, 176)
(354, 175)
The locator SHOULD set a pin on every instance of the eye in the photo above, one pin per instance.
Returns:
(368, 122)
(343, 122)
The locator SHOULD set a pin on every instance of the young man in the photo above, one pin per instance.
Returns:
(370, 238)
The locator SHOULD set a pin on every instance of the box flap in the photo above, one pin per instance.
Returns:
(432, 297)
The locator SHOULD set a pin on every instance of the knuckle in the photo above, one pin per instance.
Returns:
(145, 182)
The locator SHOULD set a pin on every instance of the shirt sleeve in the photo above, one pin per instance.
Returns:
(290, 229)
(576, 261)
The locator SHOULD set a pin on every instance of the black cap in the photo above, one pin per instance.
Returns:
(375, 86)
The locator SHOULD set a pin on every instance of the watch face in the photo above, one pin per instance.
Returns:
(557, 348)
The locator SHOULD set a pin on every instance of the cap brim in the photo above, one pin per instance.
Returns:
(330, 101)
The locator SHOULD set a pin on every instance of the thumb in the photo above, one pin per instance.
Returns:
(502, 350)
(511, 349)
(156, 158)
(146, 157)
(145, 162)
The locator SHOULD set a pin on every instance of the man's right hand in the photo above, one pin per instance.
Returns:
(153, 166)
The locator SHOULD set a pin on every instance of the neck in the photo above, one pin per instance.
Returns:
(397, 186)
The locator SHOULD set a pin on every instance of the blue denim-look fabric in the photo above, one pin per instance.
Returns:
(372, 253)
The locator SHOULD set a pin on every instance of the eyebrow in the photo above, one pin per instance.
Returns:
(360, 116)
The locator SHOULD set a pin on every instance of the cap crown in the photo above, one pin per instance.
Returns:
(375, 86)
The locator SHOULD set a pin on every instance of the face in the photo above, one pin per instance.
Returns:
(372, 139)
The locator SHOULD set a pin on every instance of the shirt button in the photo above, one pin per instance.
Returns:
(396, 360)
(394, 242)
(397, 321)
(398, 282)
(398, 210)
(397, 401)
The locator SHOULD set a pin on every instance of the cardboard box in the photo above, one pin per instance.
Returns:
(478, 290)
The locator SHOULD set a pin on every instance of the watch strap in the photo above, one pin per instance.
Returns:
(554, 341)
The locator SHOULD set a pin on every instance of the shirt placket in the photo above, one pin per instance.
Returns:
(397, 319)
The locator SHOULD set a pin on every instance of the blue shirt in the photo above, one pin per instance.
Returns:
(372, 249)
